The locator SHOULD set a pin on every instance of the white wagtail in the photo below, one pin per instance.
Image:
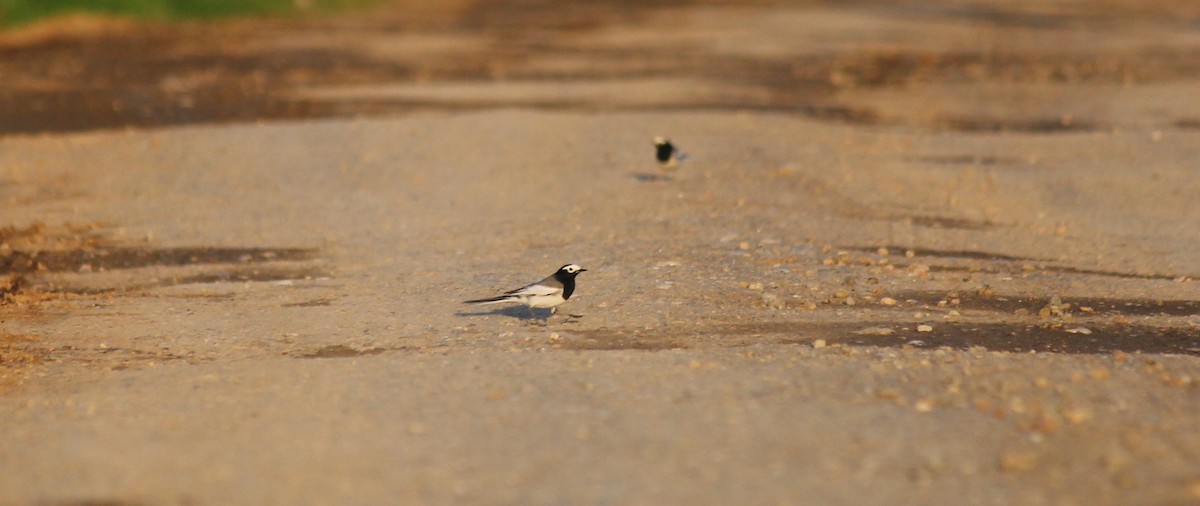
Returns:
(549, 292)
(667, 154)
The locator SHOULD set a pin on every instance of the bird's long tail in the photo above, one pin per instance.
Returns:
(490, 300)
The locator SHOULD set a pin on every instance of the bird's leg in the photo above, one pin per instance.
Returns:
(534, 320)
(533, 317)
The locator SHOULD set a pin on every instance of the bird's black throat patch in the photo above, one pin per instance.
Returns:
(568, 281)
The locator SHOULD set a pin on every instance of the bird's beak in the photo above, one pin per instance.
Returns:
(582, 270)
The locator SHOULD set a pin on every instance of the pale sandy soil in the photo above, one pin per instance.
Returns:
(935, 253)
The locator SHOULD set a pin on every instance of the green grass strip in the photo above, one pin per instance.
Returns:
(16, 12)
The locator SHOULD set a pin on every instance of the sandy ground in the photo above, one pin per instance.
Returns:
(928, 253)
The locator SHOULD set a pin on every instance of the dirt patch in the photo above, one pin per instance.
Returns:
(1042, 337)
(32, 255)
(311, 303)
(992, 262)
(340, 351)
(1025, 269)
(1036, 125)
(19, 355)
(145, 74)
(980, 160)
(104, 258)
(1080, 338)
(1082, 305)
(894, 250)
(14, 351)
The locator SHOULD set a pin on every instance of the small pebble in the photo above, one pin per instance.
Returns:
(924, 328)
(773, 301)
(1080, 330)
(1018, 462)
(875, 331)
(819, 343)
(1076, 416)
(755, 286)
(887, 301)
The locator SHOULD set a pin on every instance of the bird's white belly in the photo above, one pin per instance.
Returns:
(542, 301)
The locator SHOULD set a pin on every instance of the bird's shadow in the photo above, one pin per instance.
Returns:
(518, 312)
(528, 315)
(649, 177)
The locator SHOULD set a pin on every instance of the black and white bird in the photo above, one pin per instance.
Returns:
(667, 154)
(549, 292)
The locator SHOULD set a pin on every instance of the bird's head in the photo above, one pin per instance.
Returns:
(571, 270)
